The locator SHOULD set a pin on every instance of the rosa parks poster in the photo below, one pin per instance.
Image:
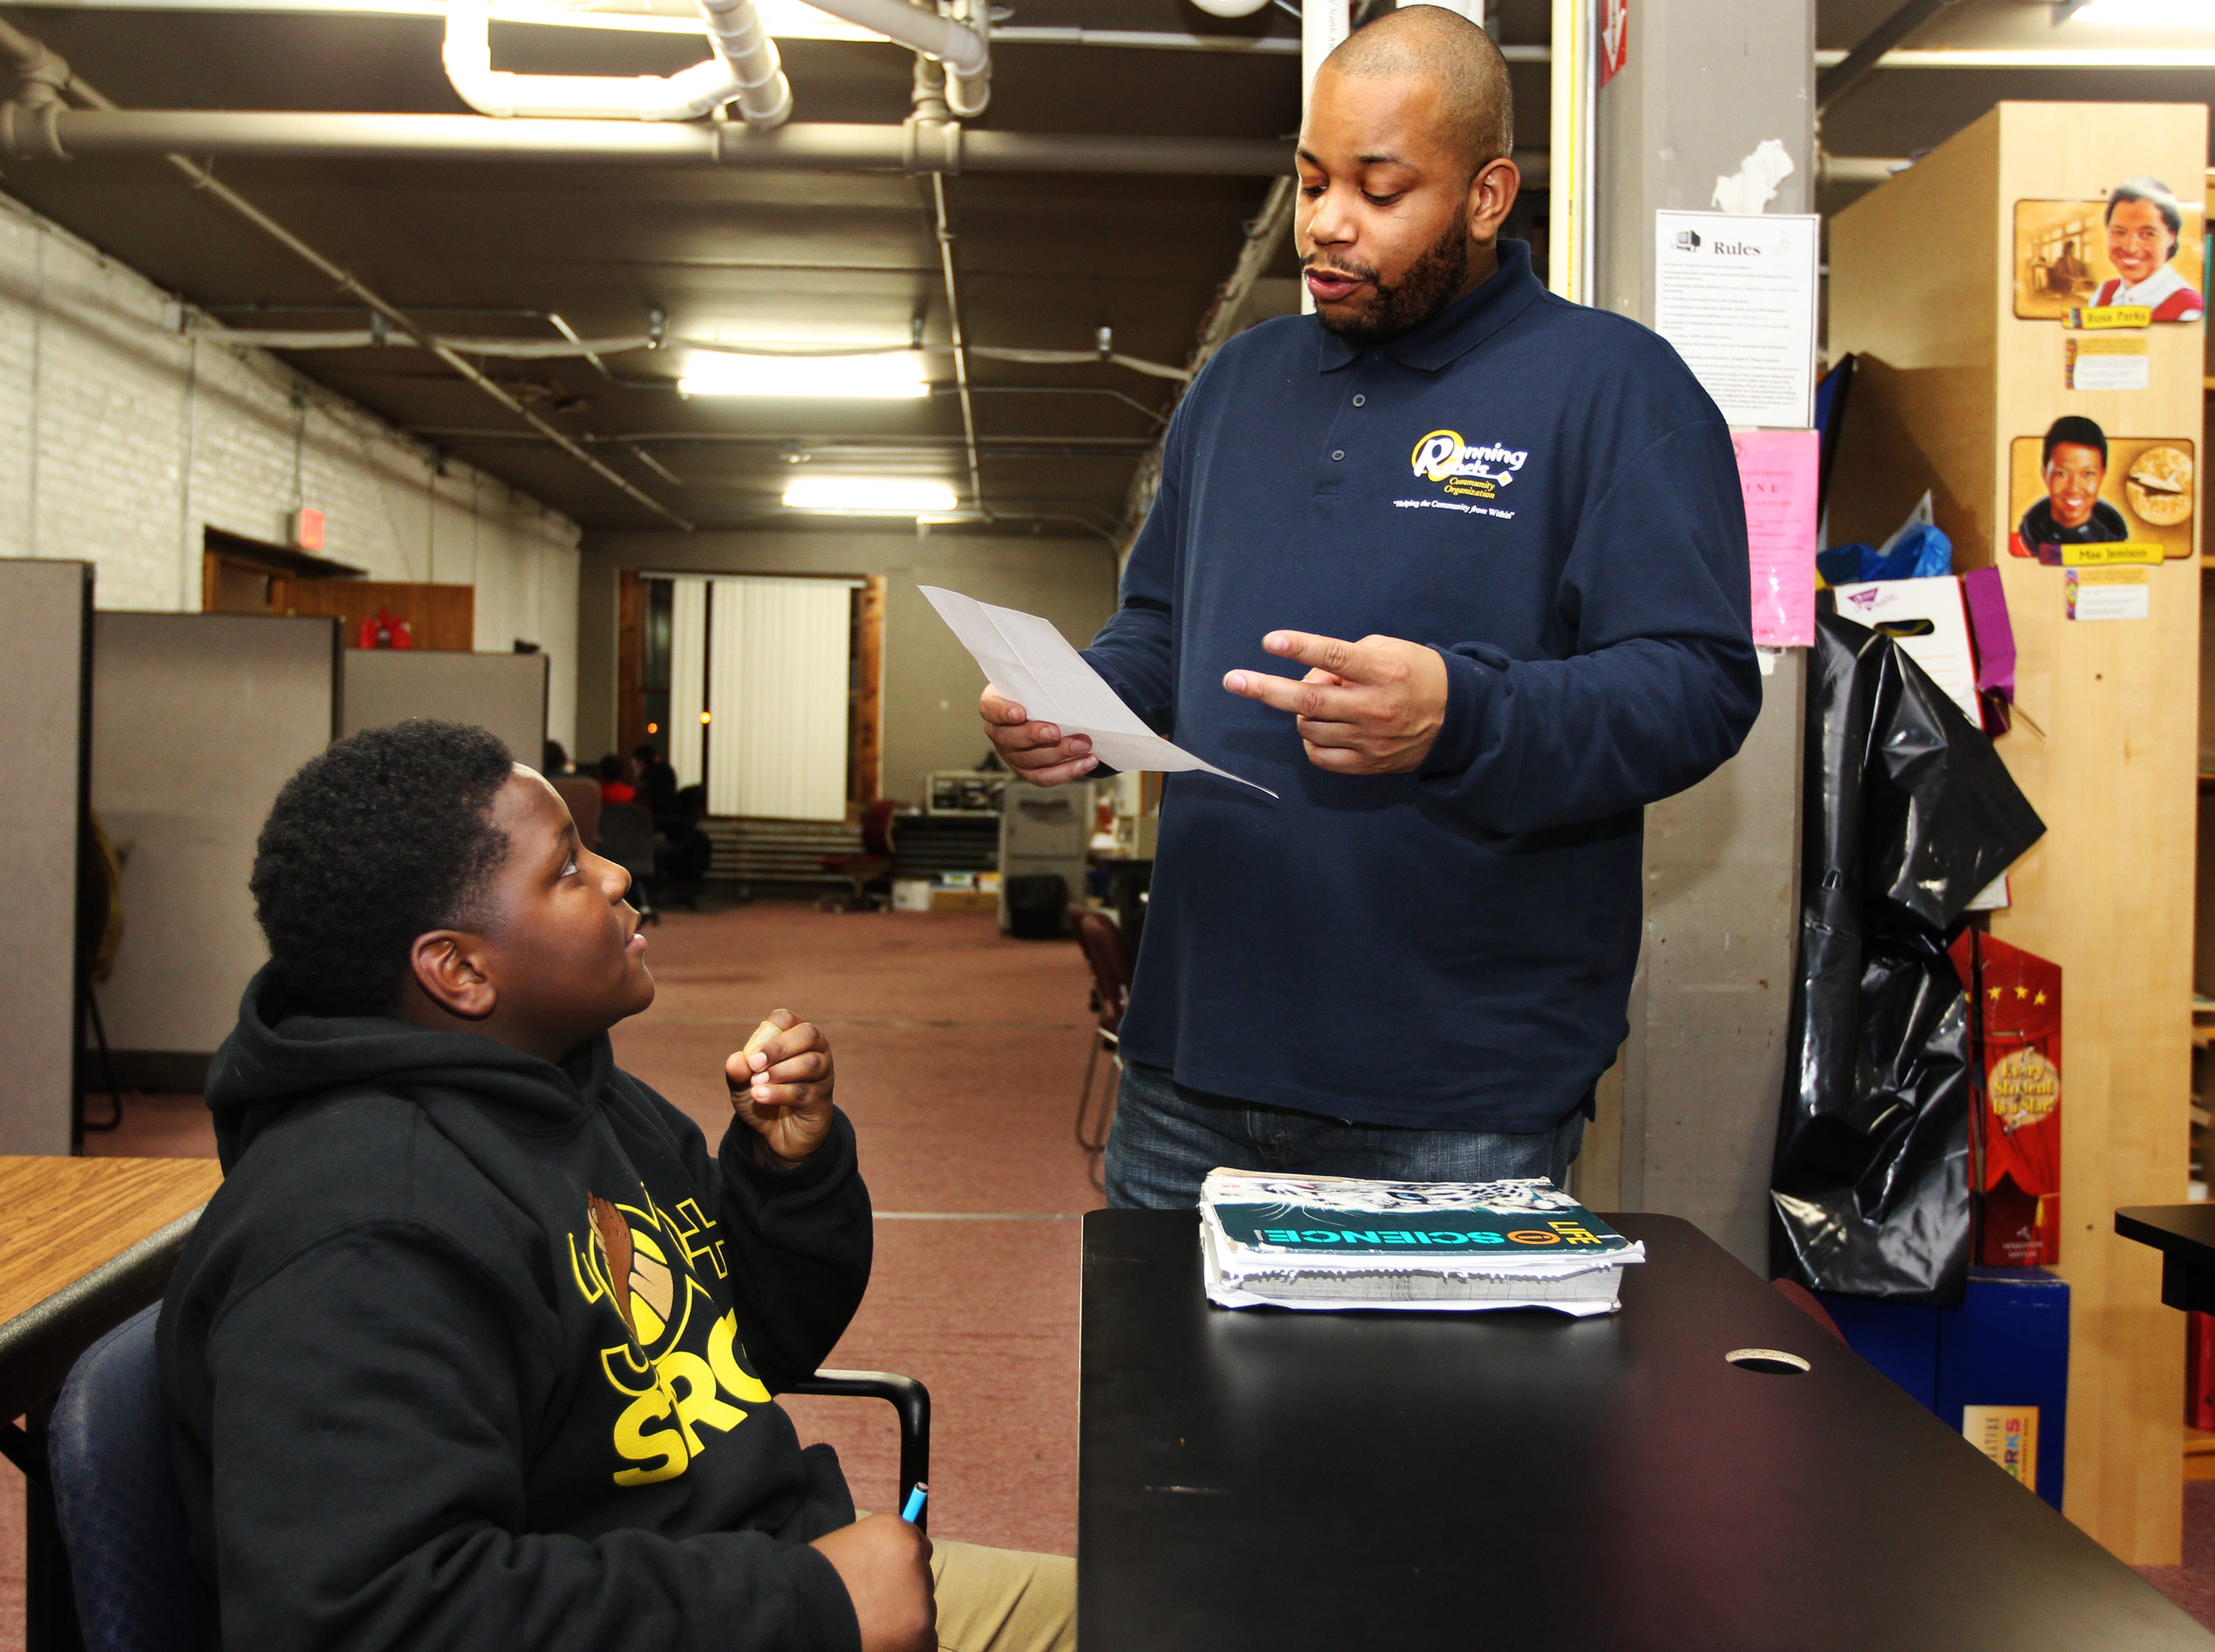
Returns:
(2079, 497)
(2138, 247)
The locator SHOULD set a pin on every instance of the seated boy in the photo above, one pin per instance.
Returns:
(474, 1347)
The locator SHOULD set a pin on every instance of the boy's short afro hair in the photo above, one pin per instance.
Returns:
(386, 836)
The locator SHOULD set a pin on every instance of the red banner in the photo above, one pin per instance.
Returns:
(2015, 1121)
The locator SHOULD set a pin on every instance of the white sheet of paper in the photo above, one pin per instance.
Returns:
(1736, 295)
(1031, 664)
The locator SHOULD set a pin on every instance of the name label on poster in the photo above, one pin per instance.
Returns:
(2094, 317)
(2119, 553)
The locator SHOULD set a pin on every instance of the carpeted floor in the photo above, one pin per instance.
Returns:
(958, 1054)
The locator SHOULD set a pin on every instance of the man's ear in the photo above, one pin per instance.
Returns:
(445, 967)
(1492, 195)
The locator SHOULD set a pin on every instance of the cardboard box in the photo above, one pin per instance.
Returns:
(964, 900)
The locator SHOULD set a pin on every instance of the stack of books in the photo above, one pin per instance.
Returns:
(1335, 1241)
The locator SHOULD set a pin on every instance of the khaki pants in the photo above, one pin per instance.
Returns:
(1003, 1600)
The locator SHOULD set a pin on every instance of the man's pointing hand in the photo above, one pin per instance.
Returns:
(1371, 707)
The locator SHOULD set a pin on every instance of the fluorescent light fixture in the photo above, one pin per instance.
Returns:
(869, 496)
(892, 376)
(2190, 15)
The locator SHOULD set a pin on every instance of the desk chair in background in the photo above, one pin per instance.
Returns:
(1101, 942)
(627, 839)
(683, 854)
(873, 862)
(123, 1519)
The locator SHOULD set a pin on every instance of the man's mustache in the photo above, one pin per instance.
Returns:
(1312, 265)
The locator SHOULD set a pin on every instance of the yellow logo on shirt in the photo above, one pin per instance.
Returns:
(641, 1261)
(1468, 471)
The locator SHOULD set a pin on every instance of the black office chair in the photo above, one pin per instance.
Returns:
(627, 839)
(122, 1520)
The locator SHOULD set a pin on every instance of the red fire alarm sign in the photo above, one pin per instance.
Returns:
(308, 528)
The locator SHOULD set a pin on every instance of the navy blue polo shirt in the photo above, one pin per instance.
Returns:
(1542, 493)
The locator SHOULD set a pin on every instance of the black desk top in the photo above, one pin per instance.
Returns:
(2185, 1231)
(1304, 1482)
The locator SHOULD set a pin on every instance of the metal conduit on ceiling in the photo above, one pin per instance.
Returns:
(51, 131)
(46, 78)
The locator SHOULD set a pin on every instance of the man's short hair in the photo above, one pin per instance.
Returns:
(385, 837)
(1447, 48)
(2155, 193)
(2075, 430)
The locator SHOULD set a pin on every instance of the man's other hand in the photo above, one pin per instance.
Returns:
(1371, 707)
(1034, 751)
(885, 1564)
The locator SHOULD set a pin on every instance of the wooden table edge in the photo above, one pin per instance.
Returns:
(38, 1345)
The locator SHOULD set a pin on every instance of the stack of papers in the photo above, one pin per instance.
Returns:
(1335, 1241)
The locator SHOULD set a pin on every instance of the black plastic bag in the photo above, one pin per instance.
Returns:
(1909, 811)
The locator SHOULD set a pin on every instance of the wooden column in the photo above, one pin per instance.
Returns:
(1922, 286)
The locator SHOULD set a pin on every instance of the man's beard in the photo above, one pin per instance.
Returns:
(1431, 282)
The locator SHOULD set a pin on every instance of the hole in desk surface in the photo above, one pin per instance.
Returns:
(1769, 1361)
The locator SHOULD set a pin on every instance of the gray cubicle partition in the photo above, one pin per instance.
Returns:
(504, 693)
(45, 639)
(198, 719)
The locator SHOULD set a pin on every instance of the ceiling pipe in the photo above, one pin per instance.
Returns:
(929, 102)
(744, 67)
(1848, 170)
(958, 42)
(46, 78)
(29, 131)
(572, 345)
(961, 353)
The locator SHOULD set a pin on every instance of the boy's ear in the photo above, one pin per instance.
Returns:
(444, 964)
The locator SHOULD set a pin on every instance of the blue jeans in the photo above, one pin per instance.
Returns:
(1166, 1138)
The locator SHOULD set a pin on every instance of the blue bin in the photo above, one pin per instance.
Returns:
(2007, 1344)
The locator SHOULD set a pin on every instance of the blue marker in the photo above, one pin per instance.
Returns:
(915, 1501)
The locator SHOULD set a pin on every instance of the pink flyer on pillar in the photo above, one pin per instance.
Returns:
(1777, 472)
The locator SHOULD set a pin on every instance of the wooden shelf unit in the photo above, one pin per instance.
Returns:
(1949, 376)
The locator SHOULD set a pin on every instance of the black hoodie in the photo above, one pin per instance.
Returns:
(409, 1411)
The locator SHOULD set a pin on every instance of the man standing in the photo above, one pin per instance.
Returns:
(1414, 964)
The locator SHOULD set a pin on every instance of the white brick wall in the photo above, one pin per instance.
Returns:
(121, 438)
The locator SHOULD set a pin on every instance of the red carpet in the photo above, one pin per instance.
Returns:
(958, 1054)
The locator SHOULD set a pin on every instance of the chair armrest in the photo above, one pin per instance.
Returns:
(906, 1396)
